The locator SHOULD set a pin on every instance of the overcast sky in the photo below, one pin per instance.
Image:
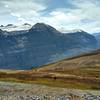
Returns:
(61, 14)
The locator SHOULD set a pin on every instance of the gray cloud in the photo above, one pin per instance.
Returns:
(85, 14)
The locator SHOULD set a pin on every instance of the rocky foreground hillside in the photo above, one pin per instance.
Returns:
(83, 71)
(58, 81)
(21, 91)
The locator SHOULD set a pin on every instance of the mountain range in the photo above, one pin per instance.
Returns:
(41, 44)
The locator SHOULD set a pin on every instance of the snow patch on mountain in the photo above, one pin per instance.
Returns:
(11, 27)
(72, 31)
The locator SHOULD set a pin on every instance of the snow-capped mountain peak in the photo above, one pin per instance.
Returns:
(11, 27)
(72, 31)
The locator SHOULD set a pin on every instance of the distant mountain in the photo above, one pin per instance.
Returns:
(42, 44)
(11, 27)
(26, 24)
(1, 26)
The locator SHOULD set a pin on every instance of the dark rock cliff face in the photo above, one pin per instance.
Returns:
(40, 45)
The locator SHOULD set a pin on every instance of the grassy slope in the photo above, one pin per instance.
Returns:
(79, 72)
